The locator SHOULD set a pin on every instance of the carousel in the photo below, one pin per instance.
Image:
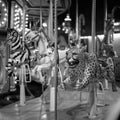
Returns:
(26, 19)
(74, 81)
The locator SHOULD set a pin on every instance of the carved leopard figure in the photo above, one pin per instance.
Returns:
(81, 68)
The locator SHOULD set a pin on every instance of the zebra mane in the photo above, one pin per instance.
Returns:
(10, 30)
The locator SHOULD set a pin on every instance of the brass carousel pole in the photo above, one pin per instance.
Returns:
(40, 13)
(105, 15)
(50, 21)
(22, 87)
(77, 20)
(105, 22)
(50, 34)
(93, 32)
(56, 56)
(93, 84)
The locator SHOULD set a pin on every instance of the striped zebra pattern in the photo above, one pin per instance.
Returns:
(19, 52)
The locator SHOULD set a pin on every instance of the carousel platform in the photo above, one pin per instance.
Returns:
(69, 106)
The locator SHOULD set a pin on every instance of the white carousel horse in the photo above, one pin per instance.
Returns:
(45, 55)
(48, 62)
(41, 41)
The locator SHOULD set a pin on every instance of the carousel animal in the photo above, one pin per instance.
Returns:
(19, 53)
(44, 52)
(81, 68)
(105, 53)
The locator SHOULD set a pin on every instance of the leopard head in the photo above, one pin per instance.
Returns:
(73, 57)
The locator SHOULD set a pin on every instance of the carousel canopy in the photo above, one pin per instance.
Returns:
(35, 5)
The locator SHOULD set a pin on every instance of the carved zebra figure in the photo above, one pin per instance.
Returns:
(18, 54)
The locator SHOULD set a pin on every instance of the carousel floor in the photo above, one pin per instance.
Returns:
(69, 107)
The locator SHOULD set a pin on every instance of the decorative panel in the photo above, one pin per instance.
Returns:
(17, 13)
(3, 14)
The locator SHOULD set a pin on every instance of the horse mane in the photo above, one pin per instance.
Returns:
(50, 42)
(48, 39)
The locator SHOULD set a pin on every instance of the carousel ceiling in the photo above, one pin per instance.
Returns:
(34, 7)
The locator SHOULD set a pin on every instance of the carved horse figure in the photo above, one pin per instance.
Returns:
(106, 53)
(106, 42)
(44, 53)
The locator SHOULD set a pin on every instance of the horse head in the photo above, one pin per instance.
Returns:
(42, 45)
(31, 39)
(39, 39)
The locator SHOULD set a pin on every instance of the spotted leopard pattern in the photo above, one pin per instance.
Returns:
(84, 70)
